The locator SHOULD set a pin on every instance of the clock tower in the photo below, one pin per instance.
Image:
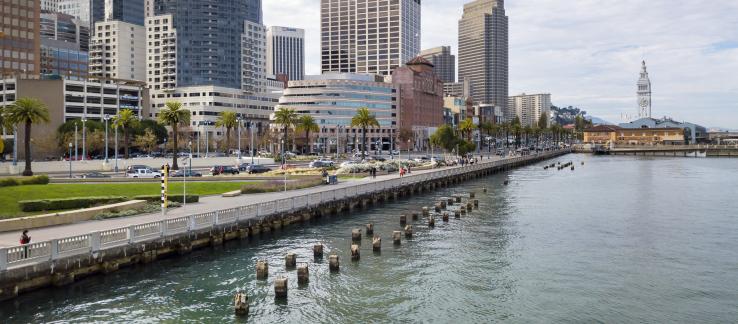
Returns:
(644, 94)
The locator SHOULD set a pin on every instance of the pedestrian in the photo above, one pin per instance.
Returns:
(25, 240)
(402, 172)
(374, 172)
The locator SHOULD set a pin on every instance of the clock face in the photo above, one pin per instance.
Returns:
(644, 102)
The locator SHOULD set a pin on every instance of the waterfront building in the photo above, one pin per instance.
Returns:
(444, 63)
(457, 89)
(483, 52)
(459, 109)
(118, 51)
(694, 133)
(286, 52)
(20, 42)
(368, 36)
(72, 99)
(723, 137)
(644, 93)
(609, 135)
(421, 99)
(529, 108)
(333, 100)
(199, 51)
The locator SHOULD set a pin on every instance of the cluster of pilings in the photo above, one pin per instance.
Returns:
(560, 166)
(458, 204)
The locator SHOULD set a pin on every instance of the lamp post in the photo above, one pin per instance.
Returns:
(251, 148)
(116, 148)
(184, 174)
(15, 145)
(207, 143)
(70, 160)
(84, 135)
(239, 139)
(76, 146)
(284, 166)
(199, 138)
(106, 118)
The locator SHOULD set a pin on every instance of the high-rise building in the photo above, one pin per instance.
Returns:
(49, 5)
(20, 43)
(483, 52)
(203, 39)
(529, 108)
(118, 51)
(92, 11)
(461, 89)
(443, 62)
(64, 45)
(65, 28)
(254, 58)
(286, 52)
(644, 93)
(368, 36)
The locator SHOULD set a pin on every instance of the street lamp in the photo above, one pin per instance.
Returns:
(239, 139)
(184, 174)
(106, 118)
(116, 147)
(70, 160)
(76, 146)
(84, 135)
(251, 148)
(284, 166)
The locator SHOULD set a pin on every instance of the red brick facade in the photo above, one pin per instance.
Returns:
(420, 93)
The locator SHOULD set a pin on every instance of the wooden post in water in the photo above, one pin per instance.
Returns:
(426, 211)
(397, 237)
(356, 234)
(318, 250)
(403, 220)
(408, 231)
(303, 274)
(262, 270)
(431, 222)
(377, 244)
(290, 260)
(241, 304)
(355, 255)
(333, 263)
(445, 217)
(369, 229)
(280, 287)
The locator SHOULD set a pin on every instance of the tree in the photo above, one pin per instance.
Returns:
(307, 124)
(27, 111)
(364, 119)
(445, 138)
(126, 119)
(227, 120)
(543, 121)
(174, 116)
(286, 118)
(467, 127)
(147, 141)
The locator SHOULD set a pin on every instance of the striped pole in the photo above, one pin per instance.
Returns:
(164, 186)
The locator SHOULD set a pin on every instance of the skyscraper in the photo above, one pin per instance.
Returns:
(286, 52)
(483, 52)
(92, 11)
(644, 93)
(208, 38)
(444, 64)
(130, 11)
(369, 36)
(20, 43)
(118, 51)
(529, 108)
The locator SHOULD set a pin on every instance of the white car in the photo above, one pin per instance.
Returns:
(143, 174)
(348, 164)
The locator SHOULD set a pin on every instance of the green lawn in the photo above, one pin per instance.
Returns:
(9, 196)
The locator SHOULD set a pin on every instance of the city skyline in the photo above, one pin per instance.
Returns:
(592, 69)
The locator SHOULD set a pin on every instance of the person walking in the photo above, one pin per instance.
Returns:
(25, 240)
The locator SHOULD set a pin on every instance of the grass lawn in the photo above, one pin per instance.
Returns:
(9, 196)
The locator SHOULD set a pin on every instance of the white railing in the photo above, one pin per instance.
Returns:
(94, 242)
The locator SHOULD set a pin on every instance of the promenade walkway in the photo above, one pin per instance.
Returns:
(206, 204)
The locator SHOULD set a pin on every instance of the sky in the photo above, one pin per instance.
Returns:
(588, 53)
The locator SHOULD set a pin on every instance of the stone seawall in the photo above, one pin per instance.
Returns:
(60, 270)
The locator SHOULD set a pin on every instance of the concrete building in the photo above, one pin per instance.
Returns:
(333, 100)
(129, 11)
(421, 99)
(723, 137)
(368, 36)
(118, 51)
(529, 108)
(253, 58)
(483, 52)
(458, 89)
(64, 46)
(694, 134)
(443, 62)
(459, 108)
(63, 28)
(69, 100)
(644, 93)
(207, 102)
(609, 135)
(89, 11)
(50, 5)
(92, 11)
(20, 41)
(286, 52)
(486, 113)
(199, 51)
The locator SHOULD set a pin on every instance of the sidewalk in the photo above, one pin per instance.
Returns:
(206, 204)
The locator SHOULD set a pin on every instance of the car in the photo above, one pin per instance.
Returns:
(321, 164)
(134, 167)
(256, 168)
(223, 169)
(93, 175)
(376, 158)
(348, 164)
(143, 174)
(242, 167)
(189, 173)
(422, 159)
(395, 152)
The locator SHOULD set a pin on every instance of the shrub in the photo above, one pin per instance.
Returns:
(35, 180)
(175, 198)
(67, 203)
(277, 185)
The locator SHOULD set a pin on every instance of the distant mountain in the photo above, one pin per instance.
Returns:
(598, 121)
(566, 115)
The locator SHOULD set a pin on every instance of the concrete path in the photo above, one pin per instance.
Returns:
(206, 204)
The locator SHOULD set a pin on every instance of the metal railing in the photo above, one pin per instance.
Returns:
(48, 251)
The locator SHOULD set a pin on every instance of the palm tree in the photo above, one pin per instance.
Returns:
(27, 111)
(287, 118)
(125, 120)
(173, 115)
(229, 120)
(307, 124)
(467, 127)
(364, 119)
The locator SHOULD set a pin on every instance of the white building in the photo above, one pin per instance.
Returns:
(253, 58)
(369, 36)
(529, 108)
(161, 53)
(118, 51)
(644, 93)
(286, 52)
(50, 5)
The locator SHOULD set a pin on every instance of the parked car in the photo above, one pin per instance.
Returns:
(222, 169)
(256, 168)
(422, 159)
(188, 173)
(348, 164)
(93, 175)
(320, 164)
(134, 167)
(376, 158)
(242, 167)
(143, 174)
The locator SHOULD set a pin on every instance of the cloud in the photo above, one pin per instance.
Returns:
(587, 53)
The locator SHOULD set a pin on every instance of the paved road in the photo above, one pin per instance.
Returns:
(206, 204)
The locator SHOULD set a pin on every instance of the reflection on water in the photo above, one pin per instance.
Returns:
(620, 239)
